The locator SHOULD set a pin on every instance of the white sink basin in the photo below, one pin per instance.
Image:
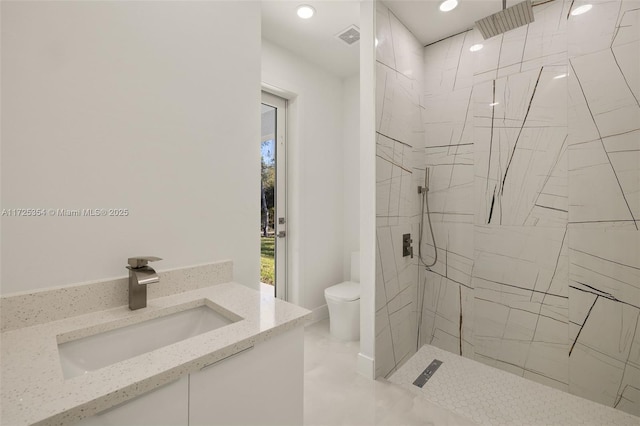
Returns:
(93, 352)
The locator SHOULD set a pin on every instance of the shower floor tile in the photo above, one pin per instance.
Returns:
(489, 396)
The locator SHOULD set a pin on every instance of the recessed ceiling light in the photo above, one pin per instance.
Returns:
(305, 11)
(448, 5)
(476, 47)
(581, 9)
(559, 76)
(494, 104)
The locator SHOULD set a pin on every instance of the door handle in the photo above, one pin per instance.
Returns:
(281, 234)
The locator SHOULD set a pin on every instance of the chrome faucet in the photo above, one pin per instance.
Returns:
(139, 276)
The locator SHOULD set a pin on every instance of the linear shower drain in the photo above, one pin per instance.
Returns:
(427, 373)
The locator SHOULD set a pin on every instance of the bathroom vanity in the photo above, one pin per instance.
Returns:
(217, 355)
(253, 387)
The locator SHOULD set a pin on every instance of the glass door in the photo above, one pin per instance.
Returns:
(273, 220)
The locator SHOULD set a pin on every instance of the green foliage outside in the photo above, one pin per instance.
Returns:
(268, 172)
(267, 225)
(267, 261)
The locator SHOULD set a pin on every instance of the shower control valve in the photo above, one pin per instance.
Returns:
(407, 249)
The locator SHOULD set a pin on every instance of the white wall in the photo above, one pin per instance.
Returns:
(149, 106)
(315, 172)
(366, 356)
(351, 158)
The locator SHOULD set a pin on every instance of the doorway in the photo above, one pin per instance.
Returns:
(273, 219)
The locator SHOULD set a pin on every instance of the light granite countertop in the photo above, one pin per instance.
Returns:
(34, 391)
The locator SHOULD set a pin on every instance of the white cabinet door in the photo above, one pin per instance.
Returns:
(260, 386)
(165, 406)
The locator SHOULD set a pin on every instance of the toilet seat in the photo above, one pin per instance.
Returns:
(347, 291)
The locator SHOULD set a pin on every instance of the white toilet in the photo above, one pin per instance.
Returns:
(343, 301)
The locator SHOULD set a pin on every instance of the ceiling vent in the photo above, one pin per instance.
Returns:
(349, 35)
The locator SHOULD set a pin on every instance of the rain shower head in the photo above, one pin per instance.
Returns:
(507, 19)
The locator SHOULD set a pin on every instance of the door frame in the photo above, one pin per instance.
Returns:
(280, 104)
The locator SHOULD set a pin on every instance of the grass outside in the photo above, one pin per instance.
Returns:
(267, 261)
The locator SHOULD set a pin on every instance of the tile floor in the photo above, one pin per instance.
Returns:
(490, 396)
(461, 392)
(334, 394)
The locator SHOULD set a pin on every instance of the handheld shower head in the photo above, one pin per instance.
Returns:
(425, 203)
(426, 178)
(424, 189)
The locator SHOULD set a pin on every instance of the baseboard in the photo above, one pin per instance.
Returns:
(366, 366)
(318, 314)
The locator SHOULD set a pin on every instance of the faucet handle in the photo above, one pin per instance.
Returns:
(140, 261)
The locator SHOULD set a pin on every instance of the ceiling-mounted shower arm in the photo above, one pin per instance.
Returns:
(507, 19)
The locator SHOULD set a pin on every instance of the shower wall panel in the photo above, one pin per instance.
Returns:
(399, 161)
(604, 204)
(520, 144)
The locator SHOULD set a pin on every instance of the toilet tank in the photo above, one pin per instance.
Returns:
(355, 266)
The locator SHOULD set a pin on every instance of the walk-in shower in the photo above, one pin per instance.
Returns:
(540, 289)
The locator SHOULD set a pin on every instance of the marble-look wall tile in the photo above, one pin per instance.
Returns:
(546, 38)
(402, 317)
(604, 116)
(608, 22)
(445, 291)
(455, 243)
(604, 357)
(399, 115)
(597, 194)
(446, 305)
(384, 49)
(385, 357)
(448, 118)
(388, 263)
(451, 190)
(521, 312)
(448, 121)
(408, 51)
(613, 106)
(520, 135)
(396, 197)
(449, 64)
(605, 138)
(399, 153)
(381, 295)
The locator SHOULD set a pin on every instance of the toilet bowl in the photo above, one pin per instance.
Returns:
(343, 301)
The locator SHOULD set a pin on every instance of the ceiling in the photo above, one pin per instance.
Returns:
(425, 20)
(314, 39)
